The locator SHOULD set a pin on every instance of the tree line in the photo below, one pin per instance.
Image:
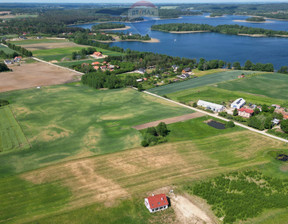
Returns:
(224, 29)
(4, 68)
(23, 51)
(106, 26)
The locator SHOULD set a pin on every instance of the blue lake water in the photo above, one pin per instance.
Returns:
(213, 45)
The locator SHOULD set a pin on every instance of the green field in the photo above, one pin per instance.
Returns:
(271, 85)
(197, 82)
(6, 49)
(77, 119)
(86, 164)
(38, 41)
(11, 135)
(78, 62)
(217, 95)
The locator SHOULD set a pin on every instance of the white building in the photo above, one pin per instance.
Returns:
(238, 103)
(156, 203)
(210, 106)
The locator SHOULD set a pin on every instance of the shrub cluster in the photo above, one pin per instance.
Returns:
(154, 136)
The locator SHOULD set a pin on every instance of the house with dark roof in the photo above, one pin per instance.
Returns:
(186, 70)
(156, 203)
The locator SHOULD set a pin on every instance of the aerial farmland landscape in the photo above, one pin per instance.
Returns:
(144, 112)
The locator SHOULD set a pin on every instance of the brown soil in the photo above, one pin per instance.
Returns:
(170, 120)
(33, 75)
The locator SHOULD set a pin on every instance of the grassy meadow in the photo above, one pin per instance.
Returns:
(6, 49)
(198, 82)
(271, 85)
(38, 41)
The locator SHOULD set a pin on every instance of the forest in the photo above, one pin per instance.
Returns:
(224, 29)
(256, 19)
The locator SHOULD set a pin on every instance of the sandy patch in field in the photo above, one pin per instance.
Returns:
(33, 75)
(22, 110)
(46, 46)
(91, 138)
(116, 117)
(50, 135)
(81, 177)
(188, 212)
(170, 120)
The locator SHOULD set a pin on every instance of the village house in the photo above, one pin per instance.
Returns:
(275, 121)
(156, 203)
(141, 71)
(96, 63)
(183, 76)
(103, 67)
(210, 106)
(8, 62)
(17, 59)
(97, 55)
(245, 112)
(139, 80)
(238, 103)
(175, 68)
(96, 67)
(241, 76)
(186, 70)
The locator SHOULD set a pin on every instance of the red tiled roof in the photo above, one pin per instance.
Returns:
(157, 201)
(249, 111)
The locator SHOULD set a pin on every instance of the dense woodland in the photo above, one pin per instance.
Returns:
(256, 19)
(225, 29)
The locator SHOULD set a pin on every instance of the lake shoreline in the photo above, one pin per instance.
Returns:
(124, 28)
(245, 21)
(153, 40)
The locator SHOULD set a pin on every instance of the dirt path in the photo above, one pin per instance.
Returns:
(188, 212)
(170, 120)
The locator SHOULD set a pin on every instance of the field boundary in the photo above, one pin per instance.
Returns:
(58, 66)
(218, 117)
(170, 120)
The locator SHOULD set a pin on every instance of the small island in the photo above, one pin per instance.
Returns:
(110, 26)
(224, 29)
(257, 19)
(216, 14)
(116, 37)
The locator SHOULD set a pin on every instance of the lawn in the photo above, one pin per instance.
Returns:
(217, 95)
(198, 82)
(78, 119)
(11, 135)
(271, 85)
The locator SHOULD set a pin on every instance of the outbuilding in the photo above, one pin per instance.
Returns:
(238, 103)
(210, 106)
(156, 203)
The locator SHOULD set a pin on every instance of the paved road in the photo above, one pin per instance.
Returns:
(219, 117)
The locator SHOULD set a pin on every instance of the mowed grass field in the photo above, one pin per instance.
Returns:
(271, 85)
(198, 82)
(79, 120)
(217, 95)
(11, 135)
(38, 41)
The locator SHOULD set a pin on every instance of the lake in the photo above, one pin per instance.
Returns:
(212, 45)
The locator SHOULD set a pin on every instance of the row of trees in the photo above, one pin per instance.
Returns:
(100, 80)
(225, 29)
(4, 55)
(23, 51)
(134, 37)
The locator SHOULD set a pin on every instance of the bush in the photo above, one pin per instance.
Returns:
(3, 103)
(162, 129)
(284, 126)
(144, 143)
(194, 104)
(230, 124)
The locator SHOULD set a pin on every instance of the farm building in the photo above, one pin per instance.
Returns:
(210, 106)
(185, 70)
(141, 71)
(238, 103)
(156, 203)
(245, 112)
(183, 76)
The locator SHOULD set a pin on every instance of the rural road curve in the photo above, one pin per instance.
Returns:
(219, 117)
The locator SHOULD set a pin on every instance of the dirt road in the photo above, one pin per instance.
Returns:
(169, 120)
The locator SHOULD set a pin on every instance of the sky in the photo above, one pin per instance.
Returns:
(133, 1)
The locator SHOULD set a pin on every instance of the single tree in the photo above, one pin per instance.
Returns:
(162, 129)
(235, 112)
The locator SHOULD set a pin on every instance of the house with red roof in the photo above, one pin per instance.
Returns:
(245, 112)
(156, 203)
(96, 63)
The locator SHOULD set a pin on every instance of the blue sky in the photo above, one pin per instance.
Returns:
(133, 1)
